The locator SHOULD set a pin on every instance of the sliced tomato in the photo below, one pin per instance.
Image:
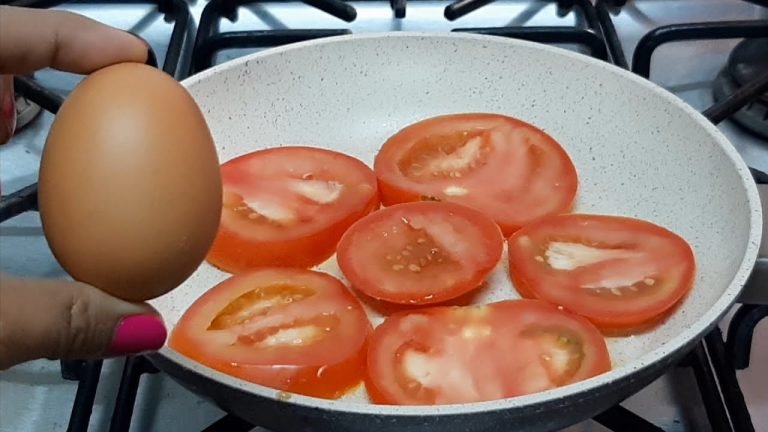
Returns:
(620, 273)
(420, 253)
(295, 330)
(452, 355)
(288, 207)
(504, 167)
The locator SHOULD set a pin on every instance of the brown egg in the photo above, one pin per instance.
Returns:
(130, 188)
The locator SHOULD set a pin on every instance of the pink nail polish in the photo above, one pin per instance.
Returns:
(138, 333)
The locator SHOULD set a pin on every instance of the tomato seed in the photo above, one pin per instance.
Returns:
(616, 291)
(421, 240)
(398, 267)
(405, 253)
(414, 268)
(649, 281)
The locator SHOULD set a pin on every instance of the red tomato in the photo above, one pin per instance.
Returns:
(508, 169)
(618, 272)
(294, 330)
(420, 253)
(451, 355)
(288, 207)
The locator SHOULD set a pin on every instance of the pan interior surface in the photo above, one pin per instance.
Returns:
(639, 152)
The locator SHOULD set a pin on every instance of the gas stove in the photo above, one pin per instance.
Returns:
(701, 50)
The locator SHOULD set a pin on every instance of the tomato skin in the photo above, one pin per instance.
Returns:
(479, 353)
(325, 367)
(511, 183)
(237, 248)
(402, 254)
(653, 267)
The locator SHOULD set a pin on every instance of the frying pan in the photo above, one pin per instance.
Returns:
(639, 151)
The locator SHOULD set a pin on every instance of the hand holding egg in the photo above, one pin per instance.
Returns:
(129, 192)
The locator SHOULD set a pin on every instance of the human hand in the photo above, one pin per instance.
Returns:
(59, 319)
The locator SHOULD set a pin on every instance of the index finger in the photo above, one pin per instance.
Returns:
(32, 39)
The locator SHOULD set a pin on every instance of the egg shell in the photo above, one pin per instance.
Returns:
(130, 191)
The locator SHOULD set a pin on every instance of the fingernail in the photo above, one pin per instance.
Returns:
(138, 333)
(7, 108)
(151, 57)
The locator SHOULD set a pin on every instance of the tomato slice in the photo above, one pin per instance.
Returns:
(288, 207)
(294, 330)
(450, 355)
(620, 273)
(504, 167)
(420, 253)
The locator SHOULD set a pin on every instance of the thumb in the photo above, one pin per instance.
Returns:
(59, 319)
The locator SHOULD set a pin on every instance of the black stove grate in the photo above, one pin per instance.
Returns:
(210, 40)
(714, 361)
(641, 60)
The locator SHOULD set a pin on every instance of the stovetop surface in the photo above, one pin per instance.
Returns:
(33, 397)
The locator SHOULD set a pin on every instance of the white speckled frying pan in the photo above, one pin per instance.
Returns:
(638, 149)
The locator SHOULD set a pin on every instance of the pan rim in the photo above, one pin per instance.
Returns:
(592, 386)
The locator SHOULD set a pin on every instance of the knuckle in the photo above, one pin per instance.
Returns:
(81, 331)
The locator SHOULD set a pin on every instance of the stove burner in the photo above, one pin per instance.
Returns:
(746, 62)
(26, 111)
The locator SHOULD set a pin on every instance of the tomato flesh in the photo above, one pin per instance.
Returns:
(420, 253)
(289, 206)
(294, 330)
(620, 273)
(506, 168)
(452, 355)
